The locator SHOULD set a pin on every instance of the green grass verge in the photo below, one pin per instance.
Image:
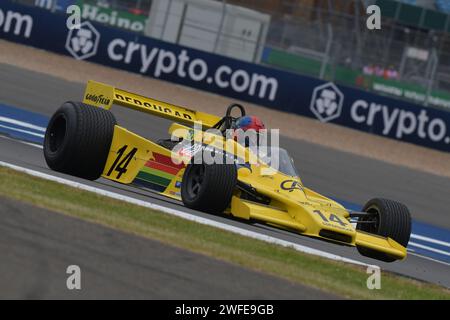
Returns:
(344, 280)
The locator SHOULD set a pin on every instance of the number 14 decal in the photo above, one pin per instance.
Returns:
(121, 163)
(332, 218)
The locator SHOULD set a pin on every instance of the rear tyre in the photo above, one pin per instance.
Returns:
(390, 219)
(208, 188)
(78, 139)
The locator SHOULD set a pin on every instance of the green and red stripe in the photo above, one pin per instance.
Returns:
(157, 173)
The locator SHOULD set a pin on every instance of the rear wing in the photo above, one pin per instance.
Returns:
(104, 96)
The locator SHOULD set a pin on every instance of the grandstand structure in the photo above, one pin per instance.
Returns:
(330, 39)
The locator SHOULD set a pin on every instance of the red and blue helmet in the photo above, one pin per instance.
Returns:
(249, 122)
(244, 124)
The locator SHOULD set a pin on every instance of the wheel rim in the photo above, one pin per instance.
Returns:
(372, 216)
(57, 133)
(195, 180)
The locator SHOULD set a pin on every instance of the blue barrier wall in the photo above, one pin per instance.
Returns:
(273, 88)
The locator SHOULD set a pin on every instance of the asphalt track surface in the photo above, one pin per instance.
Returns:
(334, 173)
(38, 245)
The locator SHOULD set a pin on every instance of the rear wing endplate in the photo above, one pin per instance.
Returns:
(104, 96)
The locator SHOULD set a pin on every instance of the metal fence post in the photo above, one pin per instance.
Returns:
(326, 58)
(434, 61)
(222, 20)
(165, 21)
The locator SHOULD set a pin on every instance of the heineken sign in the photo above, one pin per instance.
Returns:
(115, 18)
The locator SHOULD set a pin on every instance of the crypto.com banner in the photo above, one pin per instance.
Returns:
(273, 88)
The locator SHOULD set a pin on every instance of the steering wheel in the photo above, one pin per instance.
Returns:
(228, 121)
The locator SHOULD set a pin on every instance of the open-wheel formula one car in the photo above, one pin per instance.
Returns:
(84, 140)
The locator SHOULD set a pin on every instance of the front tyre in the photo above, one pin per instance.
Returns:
(208, 188)
(385, 218)
(78, 139)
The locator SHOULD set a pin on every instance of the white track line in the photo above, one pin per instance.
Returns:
(418, 245)
(32, 144)
(431, 240)
(23, 131)
(22, 124)
(187, 216)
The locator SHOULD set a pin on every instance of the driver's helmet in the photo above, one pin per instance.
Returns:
(247, 123)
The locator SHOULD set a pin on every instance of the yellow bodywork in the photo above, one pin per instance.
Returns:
(292, 205)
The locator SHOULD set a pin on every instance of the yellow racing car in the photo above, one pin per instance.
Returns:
(84, 140)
